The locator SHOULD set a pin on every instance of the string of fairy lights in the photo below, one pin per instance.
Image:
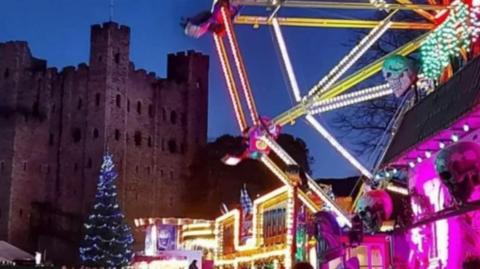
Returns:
(452, 38)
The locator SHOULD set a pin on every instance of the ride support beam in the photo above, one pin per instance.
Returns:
(247, 89)
(231, 86)
(403, 5)
(329, 23)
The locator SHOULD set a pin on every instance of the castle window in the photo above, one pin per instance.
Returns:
(6, 74)
(117, 134)
(79, 104)
(172, 146)
(171, 175)
(162, 173)
(183, 119)
(35, 109)
(24, 166)
(20, 212)
(139, 107)
(150, 111)
(118, 100)
(75, 167)
(51, 139)
(53, 108)
(136, 169)
(163, 144)
(2, 166)
(138, 138)
(97, 99)
(148, 170)
(95, 133)
(164, 114)
(117, 58)
(128, 105)
(89, 163)
(173, 117)
(76, 135)
(150, 142)
(99, 59)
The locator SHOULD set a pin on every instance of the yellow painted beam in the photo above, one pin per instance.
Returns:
(338, 5)
(420, 11)
(354, 79)
(329, 23)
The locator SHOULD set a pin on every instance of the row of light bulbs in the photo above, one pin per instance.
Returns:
(335, 103)
(327, 81)
(441, 145)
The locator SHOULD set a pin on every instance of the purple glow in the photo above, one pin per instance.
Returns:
(444, 243)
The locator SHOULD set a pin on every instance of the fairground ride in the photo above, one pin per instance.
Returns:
(446, 25)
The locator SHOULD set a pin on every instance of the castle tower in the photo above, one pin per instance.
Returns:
(23, 140)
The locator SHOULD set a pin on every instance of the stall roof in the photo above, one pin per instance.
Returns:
(438, 111)
(11, 253)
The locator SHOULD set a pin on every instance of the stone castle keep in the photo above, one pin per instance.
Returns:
(56, 125)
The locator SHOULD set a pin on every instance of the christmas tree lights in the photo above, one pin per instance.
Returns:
(108, 240)
(447, 41)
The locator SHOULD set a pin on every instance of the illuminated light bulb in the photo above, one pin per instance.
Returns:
(419, 159)
(441, 145)
(455, 138)
(428, 154)
(466, 128)
(411, 164)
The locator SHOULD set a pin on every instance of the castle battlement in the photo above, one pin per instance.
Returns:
(153, 126)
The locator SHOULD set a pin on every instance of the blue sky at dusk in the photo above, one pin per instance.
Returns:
(59, 31)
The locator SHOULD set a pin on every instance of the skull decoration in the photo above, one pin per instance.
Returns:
(327, 232)
(399, 73)
(459, 168)
(373, 208)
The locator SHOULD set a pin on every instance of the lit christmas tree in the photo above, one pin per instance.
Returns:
(108, 239)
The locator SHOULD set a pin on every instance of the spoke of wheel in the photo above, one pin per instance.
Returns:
(355, 53)
(286, 59)
(247, 90)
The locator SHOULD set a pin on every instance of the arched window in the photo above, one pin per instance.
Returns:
(76, 135)
(118, 100)
(117, 58)
(79, 103)
(139, 107)
(164, 114)
(117, 134)
(97, 99)
(138, 138)
(95, 133)
(6, 74)
(172, 146)
(128, 105)
(89, 163)
(150, 142)
(150, 111)
(173, 117)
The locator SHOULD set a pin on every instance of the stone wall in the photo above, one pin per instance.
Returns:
(56, 126)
